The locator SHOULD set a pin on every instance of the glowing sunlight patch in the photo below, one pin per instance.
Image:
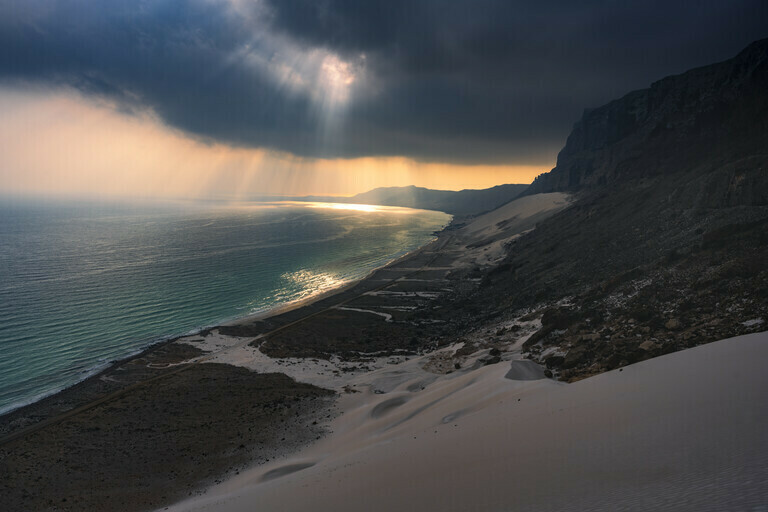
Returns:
(336, 77)
(360, 207)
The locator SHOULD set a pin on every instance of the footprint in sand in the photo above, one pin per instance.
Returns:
(454, 415)
(420, 385)
(387, 405)
(285, 470)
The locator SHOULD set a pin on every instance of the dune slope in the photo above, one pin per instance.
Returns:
(685, 431)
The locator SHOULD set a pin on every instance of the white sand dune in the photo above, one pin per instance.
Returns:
(687, 431)
(484, 237)
(518, 215)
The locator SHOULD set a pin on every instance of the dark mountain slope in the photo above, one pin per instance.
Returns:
(667, 239)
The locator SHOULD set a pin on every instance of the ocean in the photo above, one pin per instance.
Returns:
(85, 284)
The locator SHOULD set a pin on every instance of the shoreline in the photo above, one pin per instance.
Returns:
(192, 428)
(278, 309)
(84, 418)
(307, 301)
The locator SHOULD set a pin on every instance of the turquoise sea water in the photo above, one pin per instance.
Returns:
(85, 284)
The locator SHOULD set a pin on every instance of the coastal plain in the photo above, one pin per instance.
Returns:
(189, 413)
(371, 398)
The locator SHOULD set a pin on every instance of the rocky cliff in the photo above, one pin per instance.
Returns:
(711, 122)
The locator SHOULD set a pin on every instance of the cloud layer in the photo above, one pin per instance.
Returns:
(478, 81)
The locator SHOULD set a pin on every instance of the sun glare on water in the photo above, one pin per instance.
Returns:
(367, 208)
(342, 206)
(360, 207)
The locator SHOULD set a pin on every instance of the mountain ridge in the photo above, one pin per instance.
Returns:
(463, 202)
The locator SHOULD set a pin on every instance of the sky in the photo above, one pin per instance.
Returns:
(241, 98)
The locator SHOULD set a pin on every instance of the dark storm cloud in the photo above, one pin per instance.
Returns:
(178, 57)
(470, 81)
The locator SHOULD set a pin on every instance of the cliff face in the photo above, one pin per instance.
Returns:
(710, 123)
(665, 245)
